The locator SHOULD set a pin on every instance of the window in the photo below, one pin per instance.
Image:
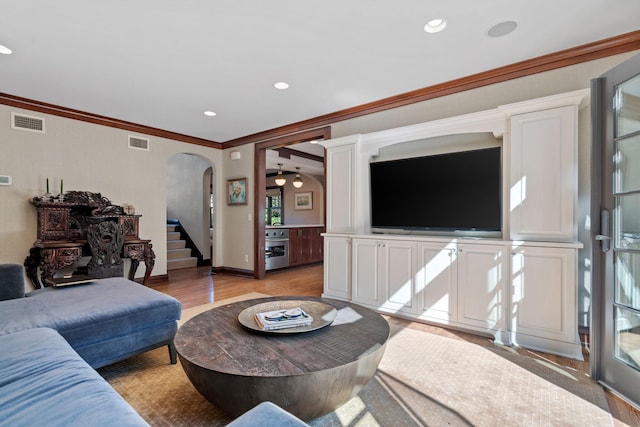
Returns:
(273, 210)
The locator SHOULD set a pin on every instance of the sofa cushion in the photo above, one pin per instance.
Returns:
(120, 313)
(11, 281)
(43, 382)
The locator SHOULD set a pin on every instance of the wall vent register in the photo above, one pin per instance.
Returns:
(138, 143)
(29, 123)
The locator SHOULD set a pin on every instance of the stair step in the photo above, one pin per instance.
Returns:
(176, 244)
(173, 235)
(178, 253)
(176, 264)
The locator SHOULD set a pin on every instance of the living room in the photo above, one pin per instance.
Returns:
(90, 152)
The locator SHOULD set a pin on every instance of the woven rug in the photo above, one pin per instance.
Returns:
(423, 380)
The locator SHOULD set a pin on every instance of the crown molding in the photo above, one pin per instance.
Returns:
(69, 113)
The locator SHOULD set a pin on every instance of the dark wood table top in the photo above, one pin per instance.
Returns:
(215, 340)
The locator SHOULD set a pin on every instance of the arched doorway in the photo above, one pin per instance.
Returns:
(190, 188)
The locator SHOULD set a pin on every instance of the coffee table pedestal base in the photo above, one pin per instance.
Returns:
(307, 396)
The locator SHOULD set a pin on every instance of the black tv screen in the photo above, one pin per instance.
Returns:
(458, 191)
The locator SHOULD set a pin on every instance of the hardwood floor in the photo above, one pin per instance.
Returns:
(193, 287)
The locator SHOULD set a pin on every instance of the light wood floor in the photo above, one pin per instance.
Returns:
(193, 287)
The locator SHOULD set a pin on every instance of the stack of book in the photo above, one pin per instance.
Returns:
(281, 319)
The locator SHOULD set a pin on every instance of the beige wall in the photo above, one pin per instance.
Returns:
(89, 158)
(237, 222)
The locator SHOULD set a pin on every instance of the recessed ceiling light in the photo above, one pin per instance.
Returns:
(435, 26)
(502, 29)
(209, 113)
(281, 85)
(5, 50)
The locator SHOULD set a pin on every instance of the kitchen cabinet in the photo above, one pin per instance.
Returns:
(305, 245)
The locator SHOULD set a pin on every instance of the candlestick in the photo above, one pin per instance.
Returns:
(47, 185)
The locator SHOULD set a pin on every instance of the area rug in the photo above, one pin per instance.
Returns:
(423, 380)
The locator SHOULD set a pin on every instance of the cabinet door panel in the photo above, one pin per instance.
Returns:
(399, 261)
(341, 189)
(436, 281)
(544, 293)
(295, 245)
(337, 267)
(366, 272)
(543, 199)
(482, 278)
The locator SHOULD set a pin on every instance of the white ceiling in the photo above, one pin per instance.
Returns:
(163, 63)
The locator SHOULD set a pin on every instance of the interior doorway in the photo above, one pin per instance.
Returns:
(260, 158)
(190, 201)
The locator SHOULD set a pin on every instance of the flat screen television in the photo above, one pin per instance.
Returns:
(458, 193)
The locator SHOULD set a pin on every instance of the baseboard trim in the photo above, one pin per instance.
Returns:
(231, 270)
(154, 280)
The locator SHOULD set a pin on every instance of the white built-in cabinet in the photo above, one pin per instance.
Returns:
(383, 274)
(543, 302)
(437, 281)
(522, 289)
(482, 285)
(337, 267)
(453, 282)
(340, 192)
(544, 175)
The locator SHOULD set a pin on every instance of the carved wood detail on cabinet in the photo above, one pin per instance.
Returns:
(62, 235)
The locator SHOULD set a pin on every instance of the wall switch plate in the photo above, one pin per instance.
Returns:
(5, 180)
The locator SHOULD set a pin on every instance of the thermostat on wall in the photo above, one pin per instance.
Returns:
(5, 180)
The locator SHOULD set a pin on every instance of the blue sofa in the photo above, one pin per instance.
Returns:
(44, 382)
(52, 338)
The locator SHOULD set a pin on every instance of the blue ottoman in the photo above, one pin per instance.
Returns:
(104, 321)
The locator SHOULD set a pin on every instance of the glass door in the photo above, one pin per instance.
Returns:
(618, 343)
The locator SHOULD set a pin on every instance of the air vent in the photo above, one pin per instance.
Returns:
(138, 143)
(30, 123)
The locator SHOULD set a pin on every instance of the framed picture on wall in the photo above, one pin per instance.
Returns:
(237, 191)
(303, 201)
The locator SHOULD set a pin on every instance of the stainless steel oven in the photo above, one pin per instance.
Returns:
(276, 248)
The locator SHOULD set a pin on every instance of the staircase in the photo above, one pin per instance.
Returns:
(178, 255)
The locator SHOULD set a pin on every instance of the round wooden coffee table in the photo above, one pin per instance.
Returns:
(309, 373)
